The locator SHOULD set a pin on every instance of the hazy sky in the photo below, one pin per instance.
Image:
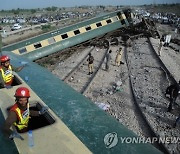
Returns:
(28, 4)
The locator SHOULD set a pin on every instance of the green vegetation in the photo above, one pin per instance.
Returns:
(47, 28)
(164, 8)
(17, 12)
(53, 8)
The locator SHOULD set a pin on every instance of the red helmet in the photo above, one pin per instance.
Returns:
(22, 92)
(4, 58)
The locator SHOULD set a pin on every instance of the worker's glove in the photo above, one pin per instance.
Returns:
(15, 135)
(8, 86)
(23, 64)
(43, 110)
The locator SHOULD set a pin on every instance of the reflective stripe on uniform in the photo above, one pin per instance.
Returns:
(23, 118)
(7, 75)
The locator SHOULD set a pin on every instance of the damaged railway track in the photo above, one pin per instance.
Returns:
(80, 81)
(79, 71)
(143, 108)
(149, 78)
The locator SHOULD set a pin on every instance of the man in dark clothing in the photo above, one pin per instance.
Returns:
(172, 91)
(108, 59)
(90, 63)
(177, 121)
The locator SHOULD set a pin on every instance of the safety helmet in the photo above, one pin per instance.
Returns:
(22, 92)
(4, 58)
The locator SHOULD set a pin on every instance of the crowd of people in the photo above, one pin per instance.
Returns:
(108, 59)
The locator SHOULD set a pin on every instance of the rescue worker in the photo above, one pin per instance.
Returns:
(167, 40)
(90, 63)
(20, 113)
(118, 57)
(6, 75)
(172, 92)
(108, 59)
(160, 46)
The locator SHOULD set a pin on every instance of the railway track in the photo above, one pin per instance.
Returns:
(148, 130)
(78, 77)
(80, 81)
(140, 103)
(145, 103)
(149, 78)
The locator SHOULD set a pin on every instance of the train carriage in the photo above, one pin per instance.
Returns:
(60, 39)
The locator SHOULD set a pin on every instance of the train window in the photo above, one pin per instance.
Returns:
(51, 40)
(64, 36)
(108, 21)
(123, 21)
(115, 18)
(22, 50)
(88, 28)
(121, 17)
(16, 81)
(37, 45)
(127, 13)
(76, 32)
(98, 24)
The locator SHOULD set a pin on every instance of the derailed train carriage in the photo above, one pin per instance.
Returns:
(73, 123)
(59, 39)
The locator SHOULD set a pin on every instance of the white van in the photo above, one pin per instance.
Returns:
(16, 27)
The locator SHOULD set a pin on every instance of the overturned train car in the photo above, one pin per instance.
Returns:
(54, 41)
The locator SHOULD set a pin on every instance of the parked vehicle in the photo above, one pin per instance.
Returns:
(16, 27)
